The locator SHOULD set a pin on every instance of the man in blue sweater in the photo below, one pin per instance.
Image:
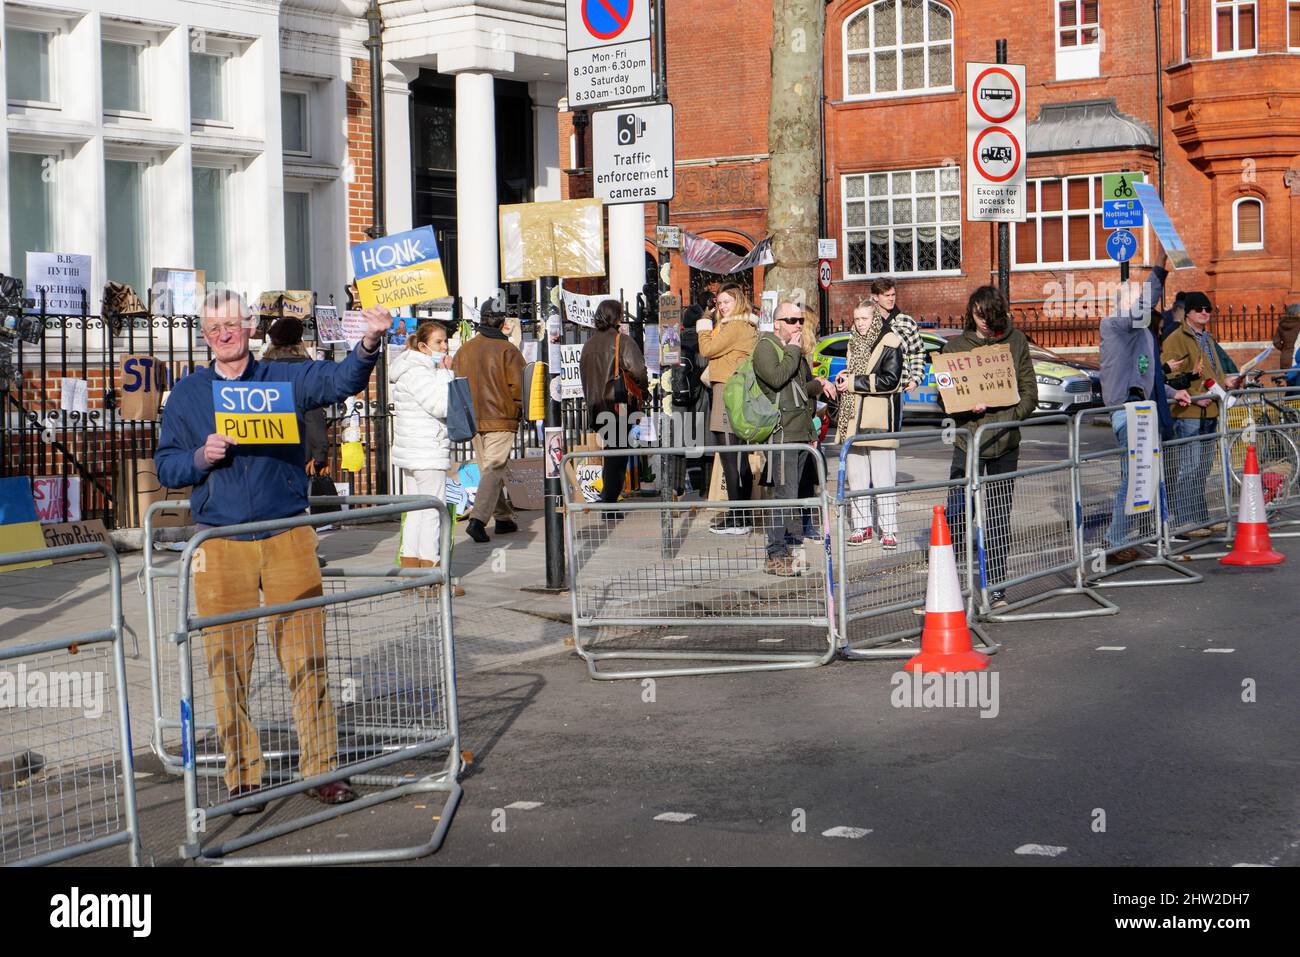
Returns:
(232, 484)
(1130, 361)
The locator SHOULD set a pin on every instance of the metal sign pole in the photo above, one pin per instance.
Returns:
(1004, 228)
(553, 493)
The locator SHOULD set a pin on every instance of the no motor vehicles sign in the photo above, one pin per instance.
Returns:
(995, 142)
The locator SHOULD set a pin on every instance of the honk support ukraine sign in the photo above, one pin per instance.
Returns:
(399, 270)
(256, 413)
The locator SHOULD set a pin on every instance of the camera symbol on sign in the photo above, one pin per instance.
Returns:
(630, 127)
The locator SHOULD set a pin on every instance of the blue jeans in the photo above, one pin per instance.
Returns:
(1118, 530)
(1194, 463)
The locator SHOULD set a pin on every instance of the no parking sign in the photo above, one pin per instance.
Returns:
(608, 45)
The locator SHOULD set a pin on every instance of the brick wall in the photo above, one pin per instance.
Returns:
(360, 157)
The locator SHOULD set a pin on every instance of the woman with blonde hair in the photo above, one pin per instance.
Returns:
(727, 337)
(421, 379)
(872, 374)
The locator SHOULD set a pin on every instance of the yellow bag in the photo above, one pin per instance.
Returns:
(353, 457)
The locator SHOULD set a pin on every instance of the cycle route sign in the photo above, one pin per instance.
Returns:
(1120, 208)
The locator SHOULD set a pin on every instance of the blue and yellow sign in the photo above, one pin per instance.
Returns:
(256, 413)
(399, 270)
(20, 527)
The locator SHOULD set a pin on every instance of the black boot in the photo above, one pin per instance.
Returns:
(477, 531)
(505, 526)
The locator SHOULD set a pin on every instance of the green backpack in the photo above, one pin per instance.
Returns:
(752, 414)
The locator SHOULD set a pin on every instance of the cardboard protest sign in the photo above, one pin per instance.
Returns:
(256, 413)
(559, 238)
(47, 492)
(984, 376)
(399, 270)
(20, 531)
(142, 380)
(141, 474)
(74, 533)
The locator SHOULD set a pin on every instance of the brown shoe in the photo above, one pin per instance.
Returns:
(1219, 527)
(781, 567)
(1126, 555)
(456, 590)
(244, 790)
(1199, 533)
(405, 562)
(336, 792)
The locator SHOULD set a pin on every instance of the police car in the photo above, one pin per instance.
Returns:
(1064, 384)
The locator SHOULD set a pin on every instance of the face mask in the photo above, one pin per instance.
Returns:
(436, 357)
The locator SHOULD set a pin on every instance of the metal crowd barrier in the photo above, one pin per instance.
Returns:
(374, 682)
(1027, 528)
(649, 582)
(67, 779)
(874, 583)
(1270, 420)
(1197, 495)
(1101, 481)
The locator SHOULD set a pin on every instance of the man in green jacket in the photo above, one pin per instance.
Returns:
(786, 379)
(988, 323)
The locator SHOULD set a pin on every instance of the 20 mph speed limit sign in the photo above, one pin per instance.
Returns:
(824, 273)
(995, 142)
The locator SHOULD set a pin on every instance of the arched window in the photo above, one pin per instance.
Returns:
(898, 48)
(1247, 224)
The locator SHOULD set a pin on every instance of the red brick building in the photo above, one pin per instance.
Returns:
(1226, 106)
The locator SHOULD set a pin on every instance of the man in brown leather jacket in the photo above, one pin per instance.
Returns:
(495, 369)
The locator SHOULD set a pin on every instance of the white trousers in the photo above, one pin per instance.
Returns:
(873, 468)
(421, 528)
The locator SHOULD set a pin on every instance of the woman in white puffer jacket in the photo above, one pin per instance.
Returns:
(420, 378)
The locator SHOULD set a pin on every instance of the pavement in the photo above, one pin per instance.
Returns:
(1163, 735)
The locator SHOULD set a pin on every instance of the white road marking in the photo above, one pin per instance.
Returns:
(1112, 647)
(1252, 865)
(1218, 651)
(138, 775)
(852, 833)
(674, 637)
(1041, 850)
(770, 641)
(523, 805)
(674, 817)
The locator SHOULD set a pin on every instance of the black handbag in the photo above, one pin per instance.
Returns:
(319, 486)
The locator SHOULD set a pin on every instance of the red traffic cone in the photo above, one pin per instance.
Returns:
(945, 640)
(1252, 545)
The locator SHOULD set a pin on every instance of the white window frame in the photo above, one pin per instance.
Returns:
(58, 228)
(889, 197)
(1237, 244)
(55, 32)
(227, 56)
(898, 47)
(1236, 51)
(229, 207)
(310, 193)
(1083, 60)
(153, 219)
(143, 46)
(1292, 42)
(297, 88)
(1099, 258)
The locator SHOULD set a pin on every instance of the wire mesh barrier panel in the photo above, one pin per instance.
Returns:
(1027, 524)
(741, 584)
(1268, 419)
(347, 677)
(1196, 493)
(883, 542)
(67, 784)
(1105, 527)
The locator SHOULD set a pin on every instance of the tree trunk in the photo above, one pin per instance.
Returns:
(794, 144)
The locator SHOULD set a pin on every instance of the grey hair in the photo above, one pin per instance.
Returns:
(218, 298)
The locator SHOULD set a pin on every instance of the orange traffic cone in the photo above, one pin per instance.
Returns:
(945, 640)
(1252, 545)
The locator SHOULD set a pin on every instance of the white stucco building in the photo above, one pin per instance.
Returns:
(225, 135)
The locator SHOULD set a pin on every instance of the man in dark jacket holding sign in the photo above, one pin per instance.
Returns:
(236, 482)
(988, 323)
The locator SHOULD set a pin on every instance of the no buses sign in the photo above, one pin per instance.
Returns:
(995, 142)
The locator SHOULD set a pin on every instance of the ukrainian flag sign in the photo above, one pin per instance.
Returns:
(256, 413)
(399, 270)
(20, 529)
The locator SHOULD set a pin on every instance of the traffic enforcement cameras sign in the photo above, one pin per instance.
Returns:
(995, 142)
(632, 154)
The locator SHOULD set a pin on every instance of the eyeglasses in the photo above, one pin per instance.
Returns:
(220, 328)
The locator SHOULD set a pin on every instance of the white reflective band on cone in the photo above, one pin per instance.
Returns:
(1251, 509)
(943, 590)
